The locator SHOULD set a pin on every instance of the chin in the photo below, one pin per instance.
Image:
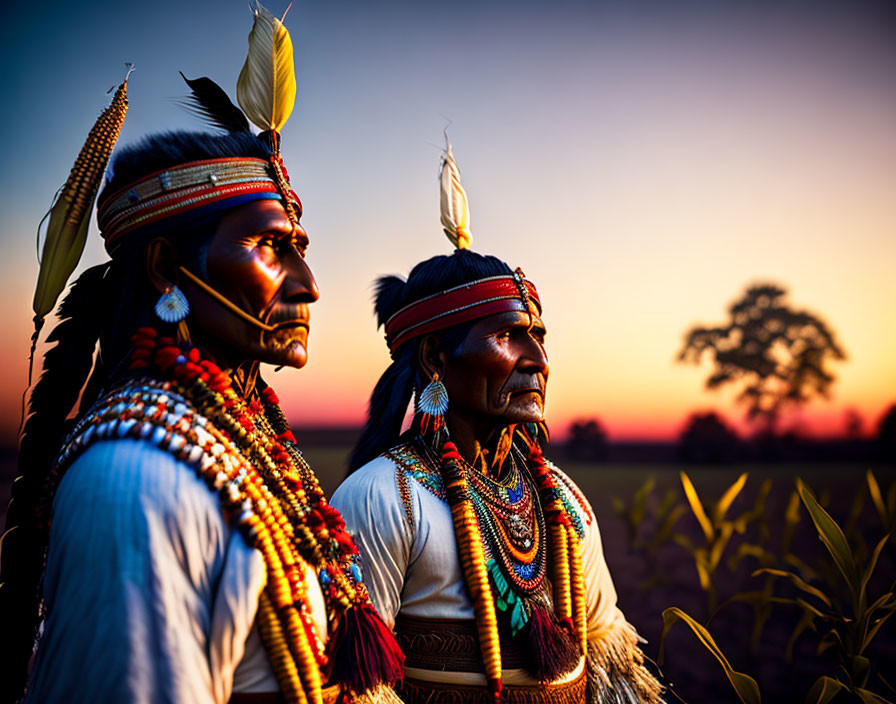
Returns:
(294, 353)
(528, 409)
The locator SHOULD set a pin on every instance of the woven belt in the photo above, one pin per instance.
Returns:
(329, 695)
(441, 644)
(414, 691)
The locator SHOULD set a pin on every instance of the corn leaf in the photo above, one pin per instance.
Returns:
(744, 686)
(750, 550)
(870, 697)
(697, 507)
(806, 605)
(831, 536)
(791, 518)
(859, 670)
(683, 541)
(881, 603)
(669, 522)
(723, 504)
(875, 627)
(872, 563)
(824, 689)
(720, 544)
(876, 496)
(807, 620)
(701, 558)
(666, 504)
(805, 570)
(618, 505)
(797, 582)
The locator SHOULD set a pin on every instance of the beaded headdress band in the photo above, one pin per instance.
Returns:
(466, 302)
(461, 304)
(213, 184)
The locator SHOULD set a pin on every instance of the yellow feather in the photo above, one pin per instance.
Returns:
(455, 212)
(266, 89)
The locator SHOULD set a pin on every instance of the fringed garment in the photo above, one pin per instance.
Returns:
(397, 510)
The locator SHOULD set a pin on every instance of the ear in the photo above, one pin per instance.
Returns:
(161, 264)
(432, 357)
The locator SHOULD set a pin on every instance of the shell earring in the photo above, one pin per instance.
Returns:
(172, 307)
(432, 404)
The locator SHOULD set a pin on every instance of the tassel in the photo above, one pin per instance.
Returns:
(553, 649)
(364, 652)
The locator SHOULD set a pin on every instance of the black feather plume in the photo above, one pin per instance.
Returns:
(210, 102)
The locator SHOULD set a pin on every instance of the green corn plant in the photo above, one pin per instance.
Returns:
(744, 686)
(886, 508)
(717, 532)
(761, 601)
(663, 517)
(666, 515)
(851, 622)
(634, 514)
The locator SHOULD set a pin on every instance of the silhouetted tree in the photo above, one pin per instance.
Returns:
(886, 435)
(774, 353)
(587, 440)
(852, 424)
(707, 438)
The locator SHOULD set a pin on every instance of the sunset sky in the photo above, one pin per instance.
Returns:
(643, 162)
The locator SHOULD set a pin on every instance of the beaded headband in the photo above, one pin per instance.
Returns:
(210, 185)
(461, 304)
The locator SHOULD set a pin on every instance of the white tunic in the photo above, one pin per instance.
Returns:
(151, 596)
(415, 569)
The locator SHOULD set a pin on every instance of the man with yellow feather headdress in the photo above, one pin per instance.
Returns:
(170, 543)
(484, 557)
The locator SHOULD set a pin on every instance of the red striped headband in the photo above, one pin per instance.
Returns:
(212, 184)
(461, 304)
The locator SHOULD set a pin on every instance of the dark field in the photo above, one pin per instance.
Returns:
(694, 674)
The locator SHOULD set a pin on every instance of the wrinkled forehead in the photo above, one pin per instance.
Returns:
(511, 318)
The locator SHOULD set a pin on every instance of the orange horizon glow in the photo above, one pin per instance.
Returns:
(643, 167)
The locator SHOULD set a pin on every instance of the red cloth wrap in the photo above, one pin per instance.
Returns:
(458, 305)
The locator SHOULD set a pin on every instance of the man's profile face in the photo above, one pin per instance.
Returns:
(500, 372)
(257, 260)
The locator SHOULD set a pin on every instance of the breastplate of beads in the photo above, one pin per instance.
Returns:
(512, 525)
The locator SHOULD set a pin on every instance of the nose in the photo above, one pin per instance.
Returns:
(534, 359)
(299, 286)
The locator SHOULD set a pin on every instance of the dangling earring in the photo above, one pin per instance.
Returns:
(172, 307)
(432, 404)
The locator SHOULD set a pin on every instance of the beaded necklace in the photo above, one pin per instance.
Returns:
(248, 455)
(515, 542)
(483, 530)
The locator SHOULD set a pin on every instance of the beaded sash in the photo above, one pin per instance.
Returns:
(157, 413)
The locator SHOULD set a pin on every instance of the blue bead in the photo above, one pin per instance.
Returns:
(324, 577)
(356, 572)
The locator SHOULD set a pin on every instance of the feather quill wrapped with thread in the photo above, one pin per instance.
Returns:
(455, 212)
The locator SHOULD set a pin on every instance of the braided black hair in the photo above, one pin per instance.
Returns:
(403, 378)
